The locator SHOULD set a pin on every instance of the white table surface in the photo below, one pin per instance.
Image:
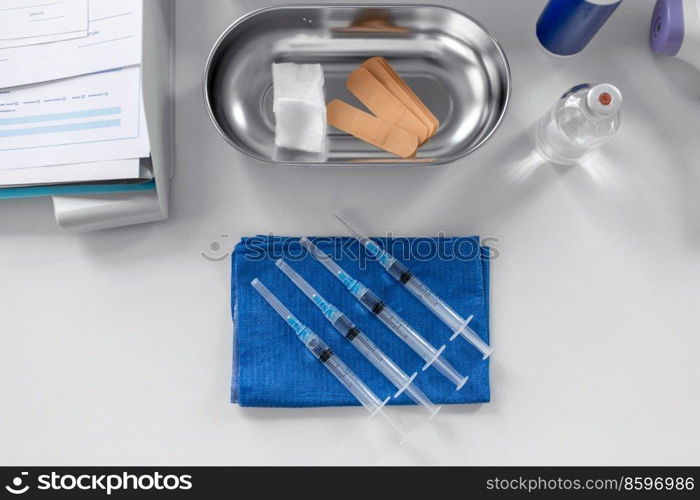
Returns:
(115, 347)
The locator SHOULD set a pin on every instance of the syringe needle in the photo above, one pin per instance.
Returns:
(420, 290)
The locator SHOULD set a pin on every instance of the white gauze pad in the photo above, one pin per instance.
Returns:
(303, 82)
(299, 106)
(300, 126)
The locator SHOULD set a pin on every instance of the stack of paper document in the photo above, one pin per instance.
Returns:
(71, 103)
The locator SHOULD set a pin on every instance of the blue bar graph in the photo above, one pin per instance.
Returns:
(52, 129)
(89, 113)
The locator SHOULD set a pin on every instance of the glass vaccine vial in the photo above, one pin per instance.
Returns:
(584, 118)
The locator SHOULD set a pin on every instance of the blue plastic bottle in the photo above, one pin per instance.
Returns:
(566, 26)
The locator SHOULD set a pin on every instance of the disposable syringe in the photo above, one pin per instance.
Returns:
(330, 360)
(431, 355)
(420, 290)
(362, 343)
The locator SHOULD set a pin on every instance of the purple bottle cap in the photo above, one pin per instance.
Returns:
(667, 27)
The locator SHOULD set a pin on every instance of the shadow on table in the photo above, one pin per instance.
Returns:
(502, 182)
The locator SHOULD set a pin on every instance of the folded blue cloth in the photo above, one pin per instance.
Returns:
(272, 368)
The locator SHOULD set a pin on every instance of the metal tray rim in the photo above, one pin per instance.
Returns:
(396, 163)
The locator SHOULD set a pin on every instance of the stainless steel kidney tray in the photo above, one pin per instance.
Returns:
(452, 63)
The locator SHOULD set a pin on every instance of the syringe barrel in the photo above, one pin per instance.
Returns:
(419, 289)
(429, 299)
(446, 314)
(411, 337)
(380, 361)
(351, 382)
(392, 371)
(397, 325)
(317, 346)
(418, 397)
(421, 346)
(361, 392)
(471, 336)
(383, 363)
(357, 388)
(444, 367)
